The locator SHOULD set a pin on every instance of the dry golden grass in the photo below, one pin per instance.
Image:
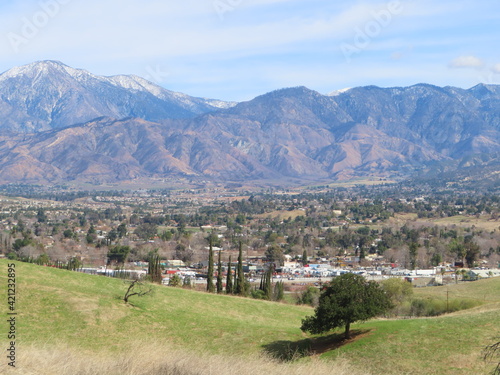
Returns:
(483, 222)
(148, 359)
(282, 215)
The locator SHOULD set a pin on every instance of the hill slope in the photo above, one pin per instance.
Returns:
(86, 314)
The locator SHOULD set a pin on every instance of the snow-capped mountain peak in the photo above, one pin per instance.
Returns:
(49, 94)
(338, 92)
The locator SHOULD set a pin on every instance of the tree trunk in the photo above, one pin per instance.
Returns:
(347, 334)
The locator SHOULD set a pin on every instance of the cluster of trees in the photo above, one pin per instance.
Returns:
(266, 289)
(95, 233)
(237, 286)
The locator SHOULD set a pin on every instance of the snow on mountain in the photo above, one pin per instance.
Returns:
(338, 92)
(49, 94)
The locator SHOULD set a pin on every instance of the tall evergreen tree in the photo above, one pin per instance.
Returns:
(413, 255)
(229, 279)
(240, 283)
(235, 280)
(279, 291)
(154, 269)
(268, 283)
(304, 257)
(219, 274)
(210, 276)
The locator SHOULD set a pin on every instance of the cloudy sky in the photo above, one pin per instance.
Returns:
(238, 49)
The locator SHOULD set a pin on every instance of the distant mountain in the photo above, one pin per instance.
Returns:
(49, 95)
(108, 150)
(138, 130)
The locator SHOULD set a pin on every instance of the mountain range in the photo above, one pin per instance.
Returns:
(58, 124)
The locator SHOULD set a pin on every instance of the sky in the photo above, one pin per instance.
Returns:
(239, 49)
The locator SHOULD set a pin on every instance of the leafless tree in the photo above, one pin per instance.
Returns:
(136, 288)
(492, 353)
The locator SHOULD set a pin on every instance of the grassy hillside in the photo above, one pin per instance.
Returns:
(485, 291)
(88, 312)
(80, 321)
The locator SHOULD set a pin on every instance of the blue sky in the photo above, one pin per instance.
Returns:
(238, 49)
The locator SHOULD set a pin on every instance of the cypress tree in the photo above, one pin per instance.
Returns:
(413, 255)
(268, 283)
(154, 269)
(235, 280)
(279, 291)
(229, 279)
(210, 276)
(240, 284)
(219, 275)
(304, 257)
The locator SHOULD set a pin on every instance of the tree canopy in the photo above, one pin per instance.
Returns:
(347, 298)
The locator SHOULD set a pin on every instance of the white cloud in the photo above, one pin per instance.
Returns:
(261, 44)
(496, 69)
(466, 62)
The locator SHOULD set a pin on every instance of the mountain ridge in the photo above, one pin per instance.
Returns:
(139, 130)
(49, 94)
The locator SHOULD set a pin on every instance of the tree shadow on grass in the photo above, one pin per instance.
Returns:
(286, 351)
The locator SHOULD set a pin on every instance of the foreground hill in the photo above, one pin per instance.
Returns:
(293, 133)
(72, 323)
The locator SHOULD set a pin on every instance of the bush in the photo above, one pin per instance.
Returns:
(12, 256)
(175, 281)
(310, 297)
(435, 307)
(258, 294)
(400, 292)
(186, 283)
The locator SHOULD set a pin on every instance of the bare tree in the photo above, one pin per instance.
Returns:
(140, 291)
(492, 353)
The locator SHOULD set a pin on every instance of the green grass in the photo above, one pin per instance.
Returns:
(85, 313)
(485, 291)
(445, 345)
(449, 344)
(88, 311)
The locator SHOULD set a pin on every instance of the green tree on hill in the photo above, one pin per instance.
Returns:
(348, 298)
(154, 269)
(122, 230)
(279, 291)
(413, 251)
(471, 251)
(266, 283)
(175, 281)
(219, 274)
(210, 275)
(239, 288)
(229, 279)
(118, 254)
(146, 231)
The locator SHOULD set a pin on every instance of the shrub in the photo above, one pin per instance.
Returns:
(310, 297)
(258, 294)
(175, 281)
